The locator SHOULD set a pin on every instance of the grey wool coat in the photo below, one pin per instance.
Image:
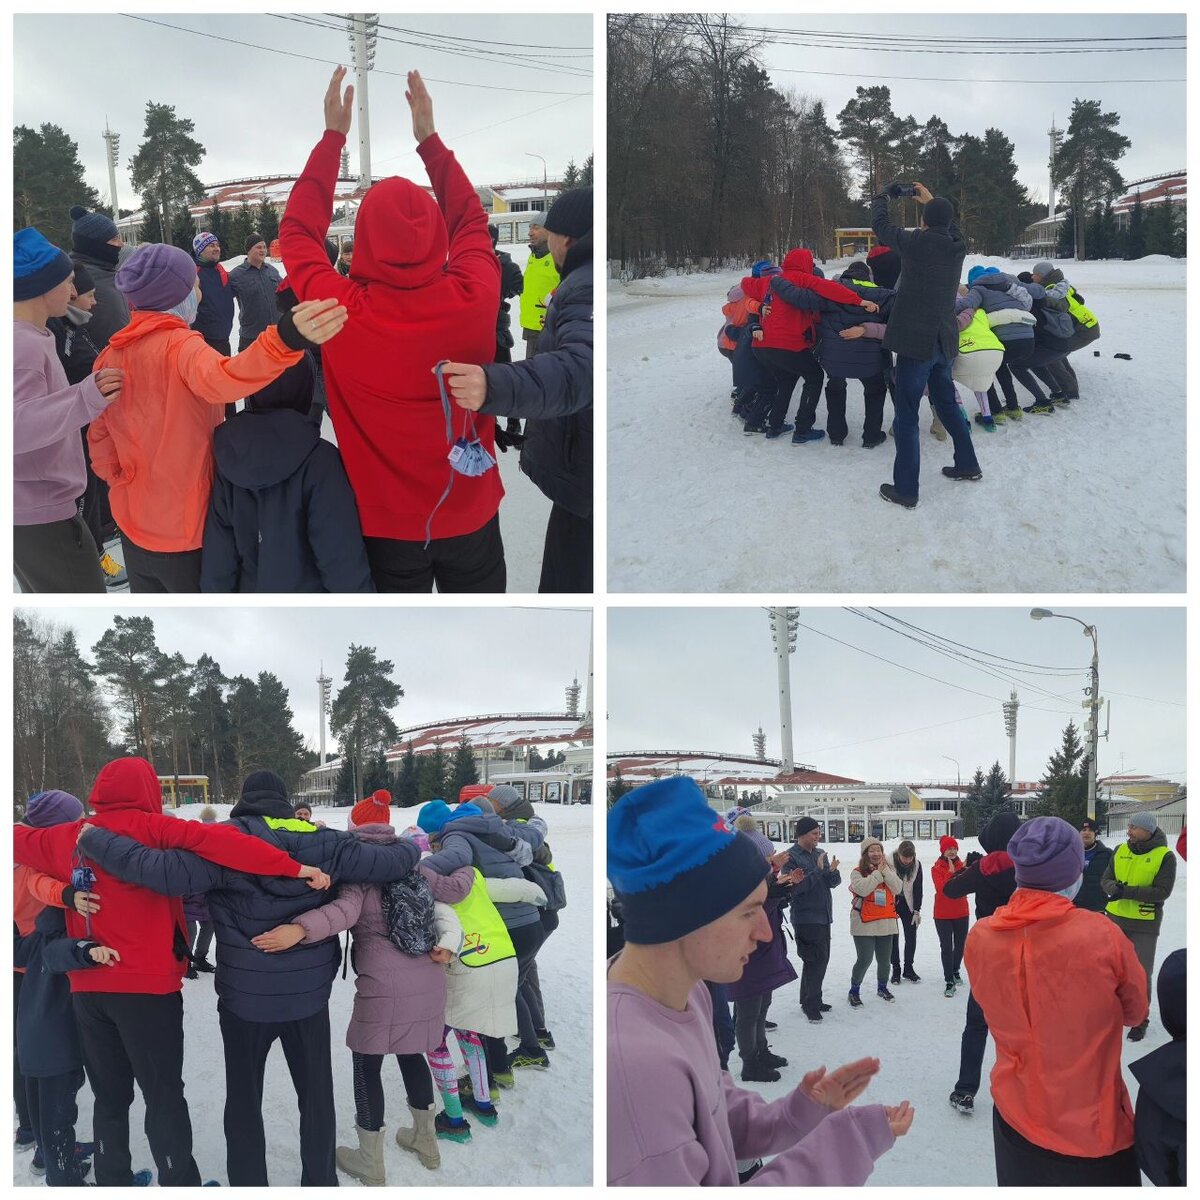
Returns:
(922, 317)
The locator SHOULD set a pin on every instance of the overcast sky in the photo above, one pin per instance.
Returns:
(258, 111)
(977, 93)
(703, 679)
(450, 662)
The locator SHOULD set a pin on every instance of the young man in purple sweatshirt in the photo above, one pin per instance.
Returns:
(692, 891)
(53, 551)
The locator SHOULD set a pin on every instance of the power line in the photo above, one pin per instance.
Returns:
(485, 41)
(970, 79)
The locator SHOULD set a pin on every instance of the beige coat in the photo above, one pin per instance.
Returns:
(864, 885)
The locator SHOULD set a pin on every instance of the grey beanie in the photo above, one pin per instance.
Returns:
(1143, 820)
(504, 795)
(1041, 268)
(537, 218)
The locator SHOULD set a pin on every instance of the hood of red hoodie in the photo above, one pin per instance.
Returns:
(144, 323)
(798, 260)
(399, 236)
(126, 783)
(1031, 907)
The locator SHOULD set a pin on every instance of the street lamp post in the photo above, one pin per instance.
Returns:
(545, 186)
(1092, 703)
(957, 772)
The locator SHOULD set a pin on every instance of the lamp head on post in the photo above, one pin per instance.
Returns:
(1040, 614)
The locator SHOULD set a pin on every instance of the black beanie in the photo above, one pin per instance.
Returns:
(264, 794)
(84, 282)
(571, 214)
(859, 271)
(939, 212)
(805, 825)
(253, 241)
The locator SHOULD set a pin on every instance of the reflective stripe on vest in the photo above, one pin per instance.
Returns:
(978, 335)
(291, 824)
(485, 938)
(541, 278)
(1080, 312)
(1136, 870)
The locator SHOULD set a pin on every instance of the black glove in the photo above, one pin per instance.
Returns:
(1025, 277)
(973, 857)
(510, 435)
(894, 191)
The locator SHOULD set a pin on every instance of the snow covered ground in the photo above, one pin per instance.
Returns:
(1089, 499)
(544, 1136)
(916, 1039)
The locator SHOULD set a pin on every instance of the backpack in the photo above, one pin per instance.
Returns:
(408, 914)
(551, 882)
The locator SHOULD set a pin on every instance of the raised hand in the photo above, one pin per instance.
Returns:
(109, 381)
(847, 1083)
(319, 320)
(282, 937)
(421, 104)
(900, 1117)
(339, 110)
(833, 865)
(924, 195)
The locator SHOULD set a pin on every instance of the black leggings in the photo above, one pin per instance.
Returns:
(368, 1087)
(785, 367)
(952, 933)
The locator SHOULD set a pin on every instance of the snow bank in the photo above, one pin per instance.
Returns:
(544, 1136)
(917, 1038)
(1089, 499)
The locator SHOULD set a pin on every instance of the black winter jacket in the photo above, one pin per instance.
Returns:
(858, 358)
(257, 986)
(931, 260)
(992, 878)
(112, 309)
(1090, 895)
(76, 350)
(554, 390)
(214, 317)
(511, 281)
(812, 898)
(282, 517)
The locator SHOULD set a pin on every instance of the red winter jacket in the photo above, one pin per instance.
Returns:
(788, 328)
(139, 924)
(945, 909)
(425, 286)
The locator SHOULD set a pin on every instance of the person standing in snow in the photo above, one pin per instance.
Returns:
(923, 335)
(950, 916)
(811, 913)
(908, 908)
(1096, 859)
(424, 288)
(214, 316)
(1138, 880)
(96, 244)
(540, 280)
(254, 283)
(874, 887)
(1060, 376)
(692, 894)
(1061, 1113)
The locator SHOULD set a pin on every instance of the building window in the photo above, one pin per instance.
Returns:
(837, 831)
(941, 828)
(924, 830)
(857, 831)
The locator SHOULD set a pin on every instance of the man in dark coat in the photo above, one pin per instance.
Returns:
(96, 244)
(554, 391)
(265, 997)
(1096, 857)
(993, 879)
(1160, 1121)
(214, 317)
(811, 913)
(255, 282)
(923, 335)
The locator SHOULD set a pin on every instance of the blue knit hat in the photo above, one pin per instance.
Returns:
(759, 267)
(674, 863)
(464, 810)
(92, 226)
(38, 267)
(202, 241)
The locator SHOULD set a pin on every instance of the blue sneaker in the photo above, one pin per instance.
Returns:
(811, 435)
(24, 1140)
(774, 433)
(142, 1179)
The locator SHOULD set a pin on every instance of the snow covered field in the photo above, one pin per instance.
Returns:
(916, 1039)
(544, 1136)
(1089, 499)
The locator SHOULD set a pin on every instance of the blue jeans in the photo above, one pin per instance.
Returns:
(911, 378)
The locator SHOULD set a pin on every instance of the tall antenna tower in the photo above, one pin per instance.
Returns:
(785, 623)
(1055, 143)
(324, 684)
(112, 144)
(364, 30)
(574, 690)
(1010, 707)
(760, 744)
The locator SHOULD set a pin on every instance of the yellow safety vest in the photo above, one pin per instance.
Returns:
(541, 278)
(1136, 870)
(292, 824)
(1080, 312)
(485, 939)
(978, 335)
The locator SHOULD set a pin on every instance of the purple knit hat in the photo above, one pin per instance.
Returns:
(1047, 853)
(52, 808)
(157, 277)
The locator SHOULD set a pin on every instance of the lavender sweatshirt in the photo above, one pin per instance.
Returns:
(48, 468)
(675, 1118)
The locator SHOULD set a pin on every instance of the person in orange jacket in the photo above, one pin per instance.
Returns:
(1056, 984)
(153, 446)
(950, 917)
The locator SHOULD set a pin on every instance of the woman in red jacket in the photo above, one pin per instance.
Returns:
(949, 916)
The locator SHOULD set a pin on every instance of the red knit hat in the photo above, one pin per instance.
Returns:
(374, 810)
(947, 843)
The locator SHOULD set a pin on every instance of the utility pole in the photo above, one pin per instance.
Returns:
(1010, 707)
(112, 143)
(324, 683)
(545, 192)
(364, 28)
(784, 624)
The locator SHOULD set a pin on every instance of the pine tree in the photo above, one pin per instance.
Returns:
(128, 659)
(162, 169)
(345, 787)
(210, 722)
(266, 220)
(376, 775)
(360, 716)
(585, 175)
(1063, 788)
(433, 776)
(973, 805)
(220, 225)
(240, 228)
(1064, 244)
(571, 176)
(47, 180)
(1087, 162)
(995, 796)
(617, 787)
(463, 770)
(406, 791)
(1135, 238)
(873, 131)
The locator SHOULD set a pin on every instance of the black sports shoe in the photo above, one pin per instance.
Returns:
(958, 473)
(1136, 1033)
(772, 1060)
(884, 994)
(958, 977)
(911, 975)
(775, 433)
(875, 439)
(759, 1072)
(855, 1000)
(750, 427)
(770, 1025)
(814, 1015)
(895, 976)
(889, 493)
(545, 1039)
(964, 1102)
(826, 1008)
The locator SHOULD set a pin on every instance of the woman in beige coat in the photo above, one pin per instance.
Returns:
(874, 887)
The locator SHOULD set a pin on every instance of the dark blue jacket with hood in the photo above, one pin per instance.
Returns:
(1160, 1121)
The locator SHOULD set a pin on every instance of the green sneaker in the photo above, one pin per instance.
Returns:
(530, 1058)
(1011, 414)
(1041, 409)
(505, 1080)
(1000, 417)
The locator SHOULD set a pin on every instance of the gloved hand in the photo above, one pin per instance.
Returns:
(894, 190)
(973, 857)
(1114, 889)
(510, 435)
(916, 919)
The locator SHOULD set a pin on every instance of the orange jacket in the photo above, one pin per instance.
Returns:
(33, 891)
(1057, 984)
(154, 445)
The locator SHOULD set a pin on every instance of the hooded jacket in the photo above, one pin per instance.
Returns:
(282, 516)
(992, 878)
(1160, 1122)
(1156, 894)
(1056, 984)
(253, 985)
(791, 321)
(112, 309)
(214, 317)
(995, 292)
(146, 930)
(424, 287)
(553, 389)
(1095, 863)
(153, 445)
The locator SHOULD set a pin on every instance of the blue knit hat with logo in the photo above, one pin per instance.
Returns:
(38, 267)
(674, 863)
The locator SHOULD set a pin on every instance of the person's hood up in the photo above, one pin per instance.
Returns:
(1162, 1074)
(997, 833)
(480, 824)
(379, 834)
(126, 783)
(799, 261)
(1156, 839)
(264, 794)
(261, 449)
(1030, 906)
(579, 253)
(1172, 993)
(145, 323)
(399, 236)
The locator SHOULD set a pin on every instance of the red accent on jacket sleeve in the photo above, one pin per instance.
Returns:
(994, 863)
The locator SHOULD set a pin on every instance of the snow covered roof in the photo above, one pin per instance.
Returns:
(528, 192)
(495, 731)
(276, 189)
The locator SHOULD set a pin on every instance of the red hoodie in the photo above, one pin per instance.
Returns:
(425, 286)
(788, 328)
(139, 924)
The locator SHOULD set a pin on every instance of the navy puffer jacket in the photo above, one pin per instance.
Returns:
(858, 358)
